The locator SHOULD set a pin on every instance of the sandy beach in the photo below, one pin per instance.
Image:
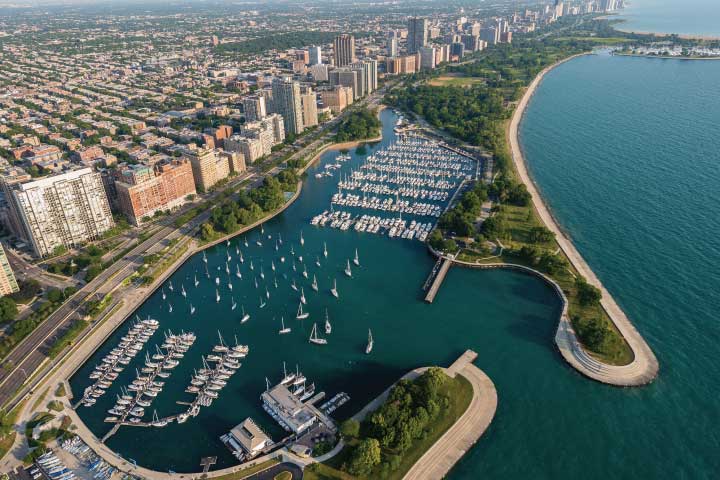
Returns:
(644, 367)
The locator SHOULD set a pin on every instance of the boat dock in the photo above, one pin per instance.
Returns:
(439, 277)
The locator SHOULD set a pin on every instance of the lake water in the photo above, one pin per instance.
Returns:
(692, 17)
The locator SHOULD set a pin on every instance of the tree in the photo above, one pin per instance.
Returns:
(8, 310)
(54, 295)
(350, 428)
(364, 457)
(587, 294)
(541, 235)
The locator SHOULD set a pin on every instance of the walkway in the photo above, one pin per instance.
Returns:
(439, 277)
(644, 367)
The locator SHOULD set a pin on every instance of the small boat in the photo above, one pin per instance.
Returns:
(267, 293)
(284, 329)
(303, 300)
(325, 252)
(356, 260)
(304, 273)
(258, 243)
(302, 240)
(277, 246)
(262, 274)
(280, 238)
(229, 285)
(169, 307)
(217, 280)
(245, 316)
(262, 303)
(348, 271)
(204, 257)
(294, 267)
(369, 347)
(237, 250)
(256, 284)
(163, 293)
(217, 296)
(293, 286)
(252, 267)
(333, 290)
(182, 290)
(314, 338)
(170, 286)
(300, 314)
(196, 281)
(234, 305)
(192, 309)
(314, 284)
(242, 259)
(328, 326)
(237, 271)
(246, 242)
(272, 265)
(227, 268)
(292, 250)
(317, 261)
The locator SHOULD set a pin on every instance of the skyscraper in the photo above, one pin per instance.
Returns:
(63, 210)
(344, 50)
(309, 108)
(315, 55)
(8, 283)
(347, 78)
(392, 44)
(417, 34)
(286, 96)
(254, 107)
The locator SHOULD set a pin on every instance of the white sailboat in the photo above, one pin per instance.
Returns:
(304, 273)
(369, 347)
(302, 240)
(356, 260)
(284, 329)
(192, 309)
(217, 280)
(314, 338)
(300, 314)
(204, 257)
(293, 286)
(242, 259)
(280, 238)
(267, 292)
(317, 261)
(196, 281)
(272, 265)
(333, 290)
(262, 303)
(256, 284)
(314, 284)
(325, 252)
(169, 307)
(292, 250)
(303, 300)
(163, 293)
(348, 271)
(237, 250)
(217, 296)
(227, 268)
(229, 284)
(245, 316)
(252, 267)
(328, 326)
(294, 267)
(237, 271)
(234, 305)
(170, 286)
(262, 274)
(246, 243)
(277, 246)
(182, 290)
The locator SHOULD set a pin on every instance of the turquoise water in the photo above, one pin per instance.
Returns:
(694, 17)
(630, 163)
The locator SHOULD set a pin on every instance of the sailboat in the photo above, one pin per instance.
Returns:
(234, 305)
(192, 309)
(302, 240)
(292, 250)
(300, 314)
(204, 257)
(252, 267)
(170, 286)
(217, 280)
(348, 271)
(245, 316)
(314, 284)
(317, 261)
(328, 327)
(314, 337)
(242, 259)
(227, 268)
(356, 260)
(217, 296)
(262, 229)
(237, 271)
(325, 252)
(262, 274)
(229, 284)
(280, 238)
(256, 284)
(277, 246)
(284, 329)
(156, 422)
(334, 289)
(262, 303)
(237, 250)
(275, 282)
(369, 347)
(293, 286)
(304, 273)
(196, 281)
(272, 265)
(303, 300)
(267, 292)
(169, 307)
(294, 267)
(246, 243)
(163, 294)
(182, 290)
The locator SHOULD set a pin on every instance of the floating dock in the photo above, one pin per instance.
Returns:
(439, 277)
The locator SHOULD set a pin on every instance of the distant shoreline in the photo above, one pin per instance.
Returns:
(663, 57)
(684, 36)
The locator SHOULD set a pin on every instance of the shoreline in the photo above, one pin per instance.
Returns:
(644, 367)
(662, 57)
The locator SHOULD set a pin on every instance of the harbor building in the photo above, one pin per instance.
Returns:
(8, 283)
(344, 46)
(287, 409)
(286, 97)
(247, 440)
(63, 210)
(143, 190)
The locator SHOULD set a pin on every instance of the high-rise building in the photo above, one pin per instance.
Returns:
(417, 34)
(309, 108)
(338, 98)
(286, 96)
(319, 73)
(457, 50)
(63, 210)
(143, 190)
(344, 46)
(427, 58)
(250, 148)
(254, 107)
(315, 55)
(491, 35)
(392, 44)
(8, 283)
(347, 78)
(11, 177)
(270, 131)
(208, 169)
(362, 79)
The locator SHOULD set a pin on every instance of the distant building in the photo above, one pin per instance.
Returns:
(308, 102)
(344, 46)
(8, 283)
(417, 34)
(248, 438)
(427, 58)
(291, 411)
(338, 98)
(8, 214)
(270, 131)
(286, 96)
(347, 78)
(254, 108)
(491, 35)
(62, 210)
(208, 169)
(319, 73)
(142, 190)
(315, 55)
(457, 50)
(392, 44)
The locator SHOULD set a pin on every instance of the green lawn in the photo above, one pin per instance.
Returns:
(248, 471)
(459, 391)
(454, 80)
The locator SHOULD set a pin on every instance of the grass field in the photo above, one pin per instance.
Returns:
(452, 80)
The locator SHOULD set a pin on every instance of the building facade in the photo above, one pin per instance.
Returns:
(286, 97)
(417, 34)
(254, 108)
(344, 46)
(8, 283)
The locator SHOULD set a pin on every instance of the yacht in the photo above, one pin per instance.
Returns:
(314, 284)
(333, 290)
(245, 316)
(192, 309)
(300, 314)
(325, 252)
(356, 260)
(163, 293)
(314, 336)
(234, 305)
(303, 300)
(328, 326)
(293, 286)
(348, 271)
(284, 329)
(237, 271)
(369, 347)
(217, 296)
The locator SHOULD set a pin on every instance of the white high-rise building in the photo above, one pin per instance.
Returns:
(286, 97)
(63, 210)
(254, 107)
(315, 55)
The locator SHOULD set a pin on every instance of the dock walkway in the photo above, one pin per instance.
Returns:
(439, 277)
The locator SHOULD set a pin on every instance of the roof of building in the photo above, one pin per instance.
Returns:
(249, 435)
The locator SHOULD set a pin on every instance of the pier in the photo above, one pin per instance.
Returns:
(439, 277)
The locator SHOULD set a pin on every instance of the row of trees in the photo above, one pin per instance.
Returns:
(407, 415)
(358, 125)
(461, 218)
